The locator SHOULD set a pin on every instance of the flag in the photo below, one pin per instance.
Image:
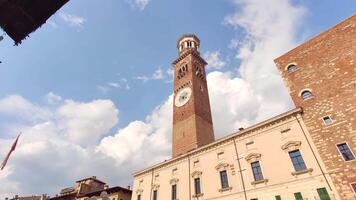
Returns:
(11, 150)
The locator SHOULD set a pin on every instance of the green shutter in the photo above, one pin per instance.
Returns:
(323, 194)
(278, 197)
(298, 196)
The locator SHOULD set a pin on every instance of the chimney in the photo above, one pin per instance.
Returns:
(241, 128)
(106, 186)
(129, 187)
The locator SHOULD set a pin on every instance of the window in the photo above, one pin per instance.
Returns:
(223, 179)
(345, 152)
(306, 94)
(291, 68)
(298, 196)
(257, 172)
(139, 197)
(327, 120)
(220, 155)
(197, 186)
(174, 192)
(353, 186)
(297, 160)
(323, 194)
(174, 171)
(278, 197)
(154, 194)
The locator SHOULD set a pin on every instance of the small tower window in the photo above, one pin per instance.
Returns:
(291, 68)
(327, 120)
(306, 94)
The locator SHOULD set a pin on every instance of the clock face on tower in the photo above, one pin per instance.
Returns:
(182, 97)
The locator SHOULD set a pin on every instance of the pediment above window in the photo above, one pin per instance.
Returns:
(155, 186)
(222, 166)
(196, 174)
(139, 191)
(173, 181)
(291, 145)
(253, 157)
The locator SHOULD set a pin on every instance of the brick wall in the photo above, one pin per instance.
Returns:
(326, 65)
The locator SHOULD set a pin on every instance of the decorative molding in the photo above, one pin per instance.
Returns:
(174, 181)
(285, 130)
(225, 189)
(291, 145)
(139, 191)
(196, 174)
(222, 165)
(253, 157)
(260, 181)
(296, 173)
(198, 195)
(155, 186)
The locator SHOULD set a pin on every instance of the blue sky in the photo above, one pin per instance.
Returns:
(117, 40)
(100, 69)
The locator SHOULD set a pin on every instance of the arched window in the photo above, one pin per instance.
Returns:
(306, 94)
(291, 68)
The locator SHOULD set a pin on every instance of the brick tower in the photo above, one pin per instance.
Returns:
(321, 78)
(192, 123)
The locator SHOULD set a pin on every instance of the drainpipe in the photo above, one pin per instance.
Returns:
(151, 185)
(190, 192)
(242, 178)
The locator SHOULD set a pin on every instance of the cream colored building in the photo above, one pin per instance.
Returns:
(269, 144)
(272, 160)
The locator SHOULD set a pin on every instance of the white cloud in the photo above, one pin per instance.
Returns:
(15, 105)
(213, 59)
(103, 88)
(115, 85)
(72, 20)
(57, 147)
(157, 75)
(140, 4)
(53, 98)
(76, 119)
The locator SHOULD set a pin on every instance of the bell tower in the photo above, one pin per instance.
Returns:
(192, 122)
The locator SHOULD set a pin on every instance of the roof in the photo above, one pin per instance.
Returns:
(66, 196)
(91, 178)
(109, 191)
(226, 138)
(19, 18)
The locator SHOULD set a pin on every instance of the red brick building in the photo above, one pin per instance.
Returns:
(320, 75)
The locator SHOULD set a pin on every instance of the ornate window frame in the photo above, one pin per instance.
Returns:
(197, 174)
(221, 167)
(292, 146)
(254, 157)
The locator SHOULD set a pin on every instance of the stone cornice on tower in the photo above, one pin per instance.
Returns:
(188, 52)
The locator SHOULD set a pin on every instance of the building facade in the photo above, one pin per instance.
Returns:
(305, 153)
(93, 189)
(274, 159)
(321, 78)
